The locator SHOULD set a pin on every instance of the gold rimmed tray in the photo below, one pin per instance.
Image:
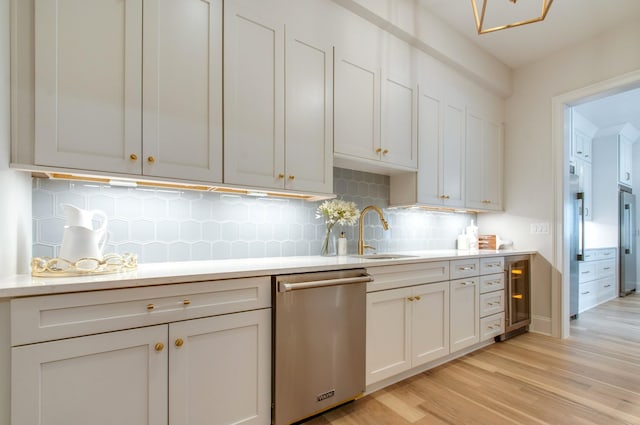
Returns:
(59, 267)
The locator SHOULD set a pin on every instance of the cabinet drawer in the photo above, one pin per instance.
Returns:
(589, 254)
(53, 317)
(464, 268)
(491, 265)
(605, 254)
(491, 303)
(606, 268)
(586, 272)
(389, 277)
(587, 296)
(607, 289)
(493, 282)
(491, 326)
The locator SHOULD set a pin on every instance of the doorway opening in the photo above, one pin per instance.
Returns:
(564, 107)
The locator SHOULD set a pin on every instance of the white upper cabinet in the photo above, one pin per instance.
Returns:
(126, 91)
(278, 112)
(581, 145)
(625, 156)
(484, 163)
(375, 101)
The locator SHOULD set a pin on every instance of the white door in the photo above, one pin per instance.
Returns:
(253, 94)
(625, 155)
(112, 378)
(464, 313)
(483, 163)
(88, 84)
(399, 103)
(388, 333)
(220, 370)
(357, 104)
(429, 322)
(309, 112)
(182, 116)
(453, 153)
(429, 135)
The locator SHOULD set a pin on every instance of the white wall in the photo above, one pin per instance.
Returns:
(530, 186)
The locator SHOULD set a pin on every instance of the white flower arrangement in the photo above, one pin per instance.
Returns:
(335, 212)
(338, 211)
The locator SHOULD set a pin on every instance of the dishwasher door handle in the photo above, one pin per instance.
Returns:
(286, 286)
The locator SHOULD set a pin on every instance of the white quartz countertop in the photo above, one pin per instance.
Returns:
(150, 274)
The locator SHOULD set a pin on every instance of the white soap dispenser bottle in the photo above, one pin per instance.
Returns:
(342, 244)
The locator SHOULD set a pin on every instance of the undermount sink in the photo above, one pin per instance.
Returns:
(385, 256)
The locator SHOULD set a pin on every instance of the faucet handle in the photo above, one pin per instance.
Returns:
(369, 247)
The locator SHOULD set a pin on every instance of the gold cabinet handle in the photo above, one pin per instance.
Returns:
(151, 159)
(410, 298)
(384, 152)
(150, 307)
(186, 302)
(179, 342)
(417, 297)
(292, 178)
(159, 346)
(281, 176)
(378, 150)
(133, 157)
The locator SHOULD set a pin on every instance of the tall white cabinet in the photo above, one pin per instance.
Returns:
(484, 158)
(278, 107)
(129, 89)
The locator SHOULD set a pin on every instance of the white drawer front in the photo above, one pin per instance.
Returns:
(586, 271)
(605, 254)
(464, 268)
(607, 289)
(606, 268)
(587, 296)
(389, 277)
(491, 303)
(491, 265)
(589, 254)
(53, 317)
(491, 326)
(490, 283)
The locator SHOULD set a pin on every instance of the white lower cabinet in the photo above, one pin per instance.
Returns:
(465, 317)
(206, 370)
(597, 278)
(406, 327)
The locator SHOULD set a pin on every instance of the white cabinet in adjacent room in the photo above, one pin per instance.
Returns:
(125, 89)
(625, 160)
(278, 108)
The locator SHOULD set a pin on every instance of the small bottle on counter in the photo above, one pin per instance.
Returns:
(342, 244)
(472, 235)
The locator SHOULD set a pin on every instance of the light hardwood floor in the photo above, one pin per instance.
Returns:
(593, 377)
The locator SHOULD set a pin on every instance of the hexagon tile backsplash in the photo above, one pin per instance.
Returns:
(174, 225)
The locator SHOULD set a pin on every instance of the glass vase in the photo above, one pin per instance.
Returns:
(327, 245)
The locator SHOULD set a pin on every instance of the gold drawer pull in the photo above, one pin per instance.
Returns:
(384, 152)
(159, 346)
(133, 157)
(150, 307)
(378, 150)
(281, 175)
(179, 342)
(186, 302)
(151, 159)
(410, 298)
(292, 178)
(418, 298)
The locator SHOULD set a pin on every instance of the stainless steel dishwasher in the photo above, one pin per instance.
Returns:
(319, 342)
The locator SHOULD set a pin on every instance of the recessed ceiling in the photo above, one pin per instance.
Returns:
(568, 23)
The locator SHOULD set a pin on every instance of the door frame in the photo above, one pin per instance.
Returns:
(560, 325)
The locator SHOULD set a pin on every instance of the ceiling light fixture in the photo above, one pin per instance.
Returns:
(546, 4)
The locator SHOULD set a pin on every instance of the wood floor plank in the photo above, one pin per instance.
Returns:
(591, 378)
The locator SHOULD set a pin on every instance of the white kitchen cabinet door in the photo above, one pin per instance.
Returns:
(254, 94)
(88, 84)
(625, 156)
(220, 369)
(112, 378)
(581, 146)
(585, 185)
(388, 334)
(182, 89)
(399, 105)
(309, 112)
(453, 151)
(464, 313)
(484, 163)
(429, 322)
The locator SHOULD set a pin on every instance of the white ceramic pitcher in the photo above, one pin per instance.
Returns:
(78, 217)
(79, 242)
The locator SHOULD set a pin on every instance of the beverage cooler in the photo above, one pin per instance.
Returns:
(517, 295)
